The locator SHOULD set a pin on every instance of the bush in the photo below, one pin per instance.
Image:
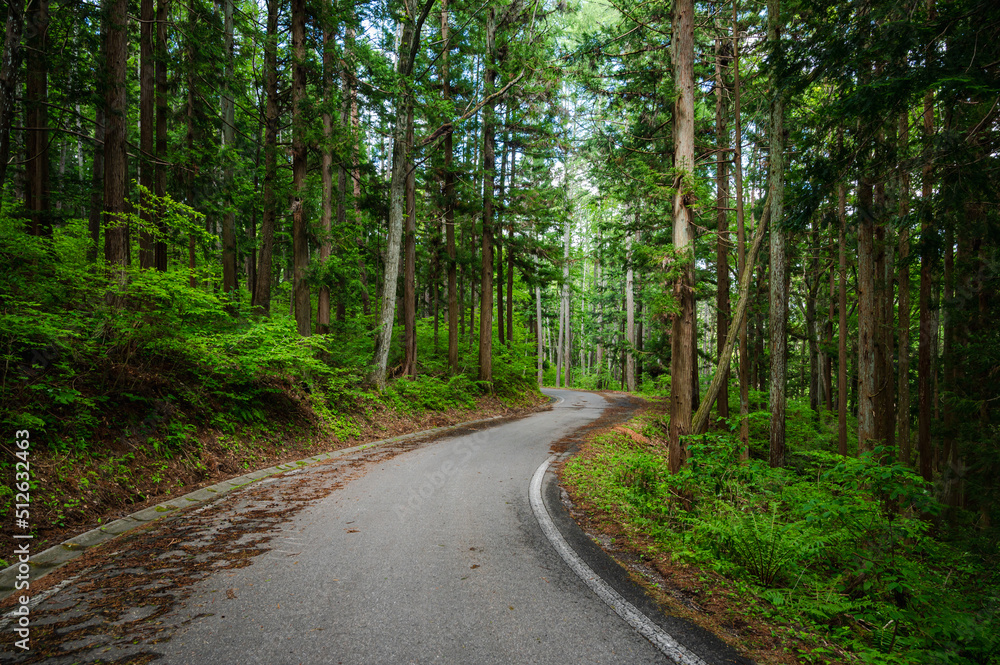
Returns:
(846, 545)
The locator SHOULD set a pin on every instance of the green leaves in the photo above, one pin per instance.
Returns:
(838, 545)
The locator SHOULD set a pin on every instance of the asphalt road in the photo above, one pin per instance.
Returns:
(420, 553)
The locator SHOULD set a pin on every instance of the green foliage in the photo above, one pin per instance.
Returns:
(847, 545)
(175, 359)
(433, 393)
(758, 544)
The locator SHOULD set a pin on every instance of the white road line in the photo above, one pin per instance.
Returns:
(662, 640)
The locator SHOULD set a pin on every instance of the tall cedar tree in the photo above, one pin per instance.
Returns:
(682, 337)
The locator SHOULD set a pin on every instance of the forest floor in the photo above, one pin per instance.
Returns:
(117, 475)
(681, 589)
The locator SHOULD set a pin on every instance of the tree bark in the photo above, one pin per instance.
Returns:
(842, 323)
(193, 163)
(741, 242)
(565, 349)
(779, 260)
(449, 203)
(409, 44)
(489, 166)
(866, 318)
(228, 155)
(510, 269)
(262, 289)
(812, 283)
(948, 310)
(300, 239)
(903, 389)
(682, 329)
(499, 258)
(540, 369)
(629, 312)
(828, 338)
(10, 66)
(927, 324)
(37, 135)
(722, 216)
(147, 237)
(885, 420)
(347, 103)
(351, 91)
(116, 241)
(699, 424)
(326, 176)
(160, 156)
(410, 263)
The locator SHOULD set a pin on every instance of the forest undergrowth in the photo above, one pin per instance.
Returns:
(175, 386)
(830, 559)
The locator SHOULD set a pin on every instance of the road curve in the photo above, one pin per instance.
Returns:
(425, 554)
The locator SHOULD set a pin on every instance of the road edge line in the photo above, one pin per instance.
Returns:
(642, 624)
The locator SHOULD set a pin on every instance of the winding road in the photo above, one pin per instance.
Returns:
(425, 552)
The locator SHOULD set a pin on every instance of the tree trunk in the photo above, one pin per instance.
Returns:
(682, 333)
(501, 327)
(510, 271)
(37, 135)
(885, 420)
(779, 261)
(116, 241)
(160, 156)
(947, 311)
(559, 340)
(351, 92)
(741, 242)
(250, 258)
(96, 187)
(828, 339)
(842, 312)
(410, 263)
(599, 354)
(193, 163)
(629, 312)
(700, 423)
(347, 104)
(326, 176)
(489, 166)
(262, 290)
(927, 324)
(409, 43)
(449, 204)
(540, 369)
(565, 349)
(722, 216)
(903, 389)
(866, 319)
(9, 69)
(228, 155)
(300, 239)
(147, 238)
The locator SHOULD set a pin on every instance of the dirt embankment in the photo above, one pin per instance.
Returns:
(119, 473)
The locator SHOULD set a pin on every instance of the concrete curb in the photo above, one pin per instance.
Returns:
(59, 555)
